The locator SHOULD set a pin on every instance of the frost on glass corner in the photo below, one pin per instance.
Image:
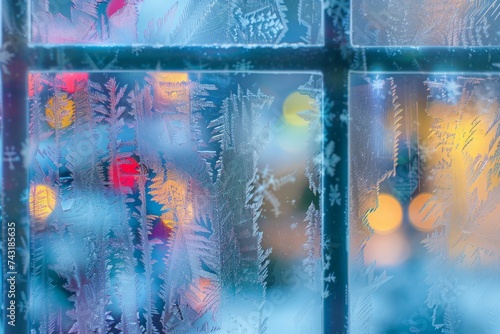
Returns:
(425, 23)
(173, 202)
(424, 203)
(177, 23)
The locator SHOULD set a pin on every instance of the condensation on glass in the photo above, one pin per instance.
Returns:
(175, 202)
(424, 203)
(425, 23)
(179, 23)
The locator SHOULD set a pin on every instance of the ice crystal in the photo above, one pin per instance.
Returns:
(334, 196)
(338, 10)
(243, 65)
(331, 159)
(5, 57)
(11, 156)
(266, 183)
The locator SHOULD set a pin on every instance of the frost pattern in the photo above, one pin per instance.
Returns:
(189, 22)
(147, 194)
(440, 23)
(468, 200)
(380, 112)
(435, 135)
(313, 88)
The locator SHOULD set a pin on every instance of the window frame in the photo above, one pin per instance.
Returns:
(333, 60)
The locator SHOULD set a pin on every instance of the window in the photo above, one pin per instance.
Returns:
(423, 137)
(171, 187)
(423, 201)
(136, 152)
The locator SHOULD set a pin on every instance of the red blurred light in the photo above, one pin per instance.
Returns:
(124, 172)
(114, 6)
(69, 80)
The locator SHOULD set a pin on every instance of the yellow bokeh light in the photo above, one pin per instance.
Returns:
(175, 198)
(465, 139)
(170, 87)
(60, 111)
(293, 105)
(388, 216)
(42, 201)
(423, 212)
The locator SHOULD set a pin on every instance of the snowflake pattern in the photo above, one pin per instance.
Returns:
(266, 184)
(5, 57)
(11, 156)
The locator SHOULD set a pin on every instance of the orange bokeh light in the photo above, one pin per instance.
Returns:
(42, 201)
(388, 215)
(423, 212)
(174, 197)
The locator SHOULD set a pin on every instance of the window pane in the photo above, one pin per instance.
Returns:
(424, 203)
(425, 23)
(172, 22)
(175, 201)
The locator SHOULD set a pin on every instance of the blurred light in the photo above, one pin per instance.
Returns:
(201, 291)
(69, 80)
(388, 216)
(124, 172)
(170, 87)
(423, 213)
(387, 250)
(60, 111)
(168, 221)
(173, 195)
(293, 105)
(42, 201)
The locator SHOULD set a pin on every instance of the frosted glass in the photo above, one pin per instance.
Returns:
(181, 23)
(175, 202)
(424, 203)
(425, 23)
